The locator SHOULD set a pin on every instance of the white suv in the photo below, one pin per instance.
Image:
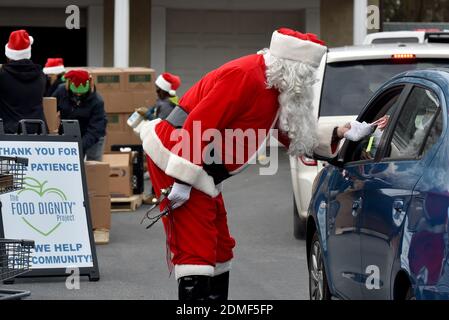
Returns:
(348, 77)
(424, 36)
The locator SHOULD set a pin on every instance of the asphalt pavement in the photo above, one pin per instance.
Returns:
(269, 263)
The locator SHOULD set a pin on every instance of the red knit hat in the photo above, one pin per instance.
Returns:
(169, 83)
(19, 45)
(54, 66)
(294, 45)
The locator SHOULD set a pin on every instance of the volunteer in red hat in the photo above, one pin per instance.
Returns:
(54, 69)
(253, 92)
(22, 83)
(78, 100)
(166, 86)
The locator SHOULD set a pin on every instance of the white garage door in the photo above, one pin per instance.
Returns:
(199, 41)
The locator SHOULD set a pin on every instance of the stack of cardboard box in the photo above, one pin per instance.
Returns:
(120, 173)
(97, 177)
(123, 90)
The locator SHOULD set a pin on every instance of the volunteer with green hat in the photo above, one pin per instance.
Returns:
(78, 100)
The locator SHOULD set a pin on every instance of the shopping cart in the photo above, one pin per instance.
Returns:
(14, 261)
(14, 254)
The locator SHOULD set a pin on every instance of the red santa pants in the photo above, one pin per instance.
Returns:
(197, 232)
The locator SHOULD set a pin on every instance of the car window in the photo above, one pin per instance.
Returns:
(367, 148)
(348, 86)
(395, 40)
(412, 131)
(434, 134)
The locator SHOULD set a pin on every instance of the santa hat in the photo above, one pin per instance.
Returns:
(54, 66)
(79, 81)
(293, 45)
(169, 83)
(19, 45)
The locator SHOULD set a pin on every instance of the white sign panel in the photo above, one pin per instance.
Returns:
(50, 208)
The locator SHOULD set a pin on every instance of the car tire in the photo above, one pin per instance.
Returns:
(299, 223)
(318, 285)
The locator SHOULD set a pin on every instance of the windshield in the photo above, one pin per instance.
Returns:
(348, 86)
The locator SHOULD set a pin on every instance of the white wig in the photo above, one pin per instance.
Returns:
(294, 80)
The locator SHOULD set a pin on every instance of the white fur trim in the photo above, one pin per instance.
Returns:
(54, 70)
(172, 164)
(163, 84)
(221, 268)
(324, 138)
(172, 93)
(18, 54)
(291, 48)
(184, 270)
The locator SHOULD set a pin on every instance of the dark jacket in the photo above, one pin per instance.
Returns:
(161, 110)
(51, 88)
(22, 85)
(88, 110)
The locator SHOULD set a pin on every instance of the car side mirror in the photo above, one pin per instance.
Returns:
(335, 161)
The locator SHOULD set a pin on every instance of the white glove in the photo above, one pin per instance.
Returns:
(142, 129)
(179, 194)
(359, 131)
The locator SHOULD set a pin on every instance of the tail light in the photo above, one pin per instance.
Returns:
(403, 56)
(308, 162)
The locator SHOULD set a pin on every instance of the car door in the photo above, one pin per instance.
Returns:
(388, 186)
(346, 196)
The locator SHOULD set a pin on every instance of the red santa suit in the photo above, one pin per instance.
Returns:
(232, 97)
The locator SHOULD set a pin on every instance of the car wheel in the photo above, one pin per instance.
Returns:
(299, 223)
(318, 286)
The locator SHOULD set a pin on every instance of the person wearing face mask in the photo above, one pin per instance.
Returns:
(78, 100)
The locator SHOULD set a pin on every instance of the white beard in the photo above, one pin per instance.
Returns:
(294, 80)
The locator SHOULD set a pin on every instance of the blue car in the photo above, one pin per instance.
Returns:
(377, 225)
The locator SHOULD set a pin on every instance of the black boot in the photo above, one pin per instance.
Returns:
(219, 287)
(194, 288)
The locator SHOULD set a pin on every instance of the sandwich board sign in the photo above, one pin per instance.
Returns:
(52, 209)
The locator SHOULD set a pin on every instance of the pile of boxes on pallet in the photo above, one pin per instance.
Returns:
(98, 185)
(123, 90)
(121, 172)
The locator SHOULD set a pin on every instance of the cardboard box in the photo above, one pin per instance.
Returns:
(143, 99)
(97, 177)
(127, 102)
(117, 102)
(121, 137)
(139, 79)
(100, 212)
(108, 79)
(117, 122)
(120, 174)
(51, 114)
(138, 162)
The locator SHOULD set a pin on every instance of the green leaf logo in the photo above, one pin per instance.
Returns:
(34, 185)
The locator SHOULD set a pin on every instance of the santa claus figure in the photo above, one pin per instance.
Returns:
(253, 93)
